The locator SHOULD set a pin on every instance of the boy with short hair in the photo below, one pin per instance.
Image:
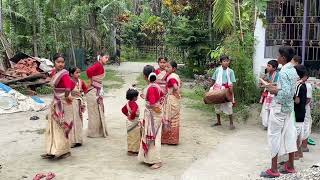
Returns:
(300, 102)
(266, 97)
(308, 119)
(224, 78)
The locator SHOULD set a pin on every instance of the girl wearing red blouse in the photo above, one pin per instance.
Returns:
(97, 126)
(171, 107)
(150, 145)
(131, 111)
(59, 121)
(78, 107)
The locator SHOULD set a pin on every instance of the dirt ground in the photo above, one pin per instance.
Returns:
(203, 153)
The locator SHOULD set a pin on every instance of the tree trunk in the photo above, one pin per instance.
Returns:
(55, 37)
(156, 6)
(114, 38)
(34, 31)
(72, 49)
(210, 21)
(137, 7)
(240, 23)
(94, 33)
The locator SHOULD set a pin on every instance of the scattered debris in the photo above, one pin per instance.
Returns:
(12, 101)
(26, 71)
(33, 118)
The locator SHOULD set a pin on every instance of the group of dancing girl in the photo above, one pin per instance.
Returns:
(158, 124)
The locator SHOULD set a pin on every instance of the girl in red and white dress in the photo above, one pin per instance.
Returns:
(59, 122)
(171, 107)
(151, 124)
(162, 73)
(131, 111)
(96, 126)
(78, 107)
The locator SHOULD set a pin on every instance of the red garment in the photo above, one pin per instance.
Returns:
(153, 95)
(95, 70)
(84, 87)
(134, 108)
(65, 81)
(171, 83)
(157, 71)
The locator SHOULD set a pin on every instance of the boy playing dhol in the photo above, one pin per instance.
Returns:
(300, 102)
(308, 119)
(281, 128)
(224, 78)
(266, 98)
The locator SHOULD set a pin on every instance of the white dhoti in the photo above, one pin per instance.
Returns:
(300, 131)
(307, 124)
(281, 132)
(265, 113)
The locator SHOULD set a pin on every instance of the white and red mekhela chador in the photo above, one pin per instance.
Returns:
(78, 108)
(59, 124)
(161, 79)
(151, 124)
(171, 110)
(96, 126)
(131, 110)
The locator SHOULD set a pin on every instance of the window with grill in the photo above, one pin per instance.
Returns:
(289, 24)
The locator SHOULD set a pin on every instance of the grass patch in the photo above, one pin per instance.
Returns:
(112, 79)
(193, 98)
(46, 89)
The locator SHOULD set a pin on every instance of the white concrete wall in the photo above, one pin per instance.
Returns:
(259, 62)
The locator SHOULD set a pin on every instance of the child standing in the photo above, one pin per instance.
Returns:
(131, 110)
(161, 73)
(150, 145)
(78, 107)
(266, 98)
(308, 119)
(171, 107)
(224, 78)
(300, 107)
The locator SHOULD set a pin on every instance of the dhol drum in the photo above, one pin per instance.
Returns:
(218, 96)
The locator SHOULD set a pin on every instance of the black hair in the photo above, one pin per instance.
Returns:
(287, 53)
(131, 94)
(274, 64)
(173, 64)
(297, 59)
(223, 57)
(72, 70)
(57, 55)
(301, 70)
(101, 54)
(164, 58)
(147, 70)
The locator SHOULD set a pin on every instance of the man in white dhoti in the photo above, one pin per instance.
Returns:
(282, 131)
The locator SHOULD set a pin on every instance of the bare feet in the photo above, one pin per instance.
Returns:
(156, 166)
(47, 156)
(216, 124)
(63, 156)
(232, 127)
(130, 153)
